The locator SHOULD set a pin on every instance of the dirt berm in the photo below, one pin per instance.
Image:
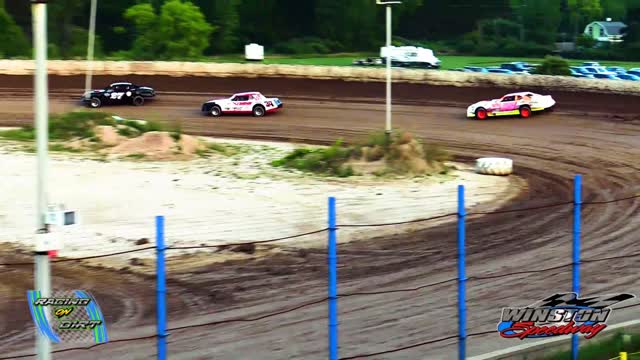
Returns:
(346, 73)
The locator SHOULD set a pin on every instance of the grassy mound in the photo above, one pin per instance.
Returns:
(82, 124)
(107, 135)
(400, 154)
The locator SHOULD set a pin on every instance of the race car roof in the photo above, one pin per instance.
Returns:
(520, 93)
(247, 93)
(121, 83)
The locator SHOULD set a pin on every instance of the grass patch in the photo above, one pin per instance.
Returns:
(605, 349)
(143, 126)
(448, 61)
(330, 161)
(216, 148)
(63, 148)
(136, 156)
(23, 134)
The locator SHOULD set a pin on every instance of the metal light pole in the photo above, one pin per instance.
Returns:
(42, 265)
(388, 63)
(91, 45)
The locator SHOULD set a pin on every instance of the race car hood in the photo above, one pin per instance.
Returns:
(216, 99)
(92, 92)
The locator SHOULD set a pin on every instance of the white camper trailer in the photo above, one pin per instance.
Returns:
(410, 56)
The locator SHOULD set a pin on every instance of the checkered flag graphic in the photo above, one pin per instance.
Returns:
(78, 313)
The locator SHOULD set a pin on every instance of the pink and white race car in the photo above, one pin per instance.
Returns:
(242, 103)
(522, 103)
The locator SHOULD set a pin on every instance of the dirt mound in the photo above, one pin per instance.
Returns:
(158, 145)
(404, 154)
(108, 135)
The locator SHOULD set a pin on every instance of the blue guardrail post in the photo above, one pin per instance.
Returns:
(577, 202)
(462, 278)
(333, 282)
(161, 290)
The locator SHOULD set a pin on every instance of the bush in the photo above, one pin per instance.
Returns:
(308, 45)
(434, 154)
(329, 161)
(553, 65)
(583, 41)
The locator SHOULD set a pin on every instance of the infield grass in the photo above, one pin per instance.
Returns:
(448, 61)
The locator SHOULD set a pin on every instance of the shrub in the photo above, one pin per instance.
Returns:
(308, 45)
(583, 41)
(553, 65)
(329, 160)
(434, 154)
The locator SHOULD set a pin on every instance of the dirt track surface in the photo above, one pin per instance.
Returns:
(582, 136)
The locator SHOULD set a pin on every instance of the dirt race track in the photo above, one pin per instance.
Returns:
(581, 136)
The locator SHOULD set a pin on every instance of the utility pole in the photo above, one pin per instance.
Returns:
(42, 265)
(388, 63)
(91, 45)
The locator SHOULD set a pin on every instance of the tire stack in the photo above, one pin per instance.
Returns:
(494, 166)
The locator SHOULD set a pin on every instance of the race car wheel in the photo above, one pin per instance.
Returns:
(481, 113)
(215, 111)
(95, 103)
(138, 101)
(525, 111)
(258, 110)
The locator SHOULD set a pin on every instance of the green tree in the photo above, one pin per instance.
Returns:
(632, 31)
(583, 12)
(351, 24)
(183, 29)
(540, 19)
(226, 19)
(63, 30)
(179, 31)
(146, 44)
(13, 42)
(615, 9)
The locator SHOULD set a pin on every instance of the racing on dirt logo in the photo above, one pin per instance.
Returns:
(559, 314)
(69, 316)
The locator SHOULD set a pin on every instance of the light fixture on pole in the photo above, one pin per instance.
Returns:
(42, 266)
(388, 63)
(91, 45)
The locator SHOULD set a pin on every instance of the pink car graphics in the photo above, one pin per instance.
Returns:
(522, 104)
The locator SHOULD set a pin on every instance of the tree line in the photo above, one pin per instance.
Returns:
(183, 29)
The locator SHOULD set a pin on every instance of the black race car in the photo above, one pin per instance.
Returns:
(118, 93)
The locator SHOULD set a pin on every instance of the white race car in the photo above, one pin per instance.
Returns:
(522, 103)
(242, 103)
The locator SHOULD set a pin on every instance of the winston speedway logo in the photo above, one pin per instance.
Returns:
(69, 316)
(559, 314)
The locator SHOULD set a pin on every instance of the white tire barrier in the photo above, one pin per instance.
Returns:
(494, 166)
